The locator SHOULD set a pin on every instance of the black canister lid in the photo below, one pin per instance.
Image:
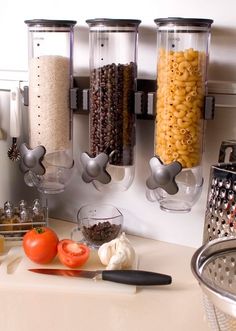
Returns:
(113, 22)
(48, 23)
(183, 21)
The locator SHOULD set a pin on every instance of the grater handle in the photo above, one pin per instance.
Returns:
(224, 146)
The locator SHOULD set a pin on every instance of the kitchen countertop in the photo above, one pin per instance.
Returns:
(176, 307)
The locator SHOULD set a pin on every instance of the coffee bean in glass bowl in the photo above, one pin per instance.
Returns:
(98, 224)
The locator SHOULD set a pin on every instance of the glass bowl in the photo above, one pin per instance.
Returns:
(97, 224)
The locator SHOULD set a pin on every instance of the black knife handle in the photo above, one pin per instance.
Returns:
(136, 277)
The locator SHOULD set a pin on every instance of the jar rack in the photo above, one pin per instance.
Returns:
(14, 229)
(19, 229)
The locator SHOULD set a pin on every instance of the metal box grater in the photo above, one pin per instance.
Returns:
(220, 215)
(214, 264)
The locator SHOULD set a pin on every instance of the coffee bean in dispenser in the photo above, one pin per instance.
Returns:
(112, 116)
(112, 85)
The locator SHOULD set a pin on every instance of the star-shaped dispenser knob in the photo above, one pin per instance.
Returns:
(31, 159)
(163, 176)
(94, 168)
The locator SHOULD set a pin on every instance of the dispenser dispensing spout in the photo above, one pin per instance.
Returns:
(163, 175)
(95, 168)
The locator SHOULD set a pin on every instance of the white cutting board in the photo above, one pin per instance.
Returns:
(14, 272)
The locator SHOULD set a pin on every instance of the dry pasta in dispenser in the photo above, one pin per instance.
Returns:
(176, 179)
(180, 102)
(109, 165)
(47, 160)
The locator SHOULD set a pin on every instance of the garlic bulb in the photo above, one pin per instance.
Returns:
(117, 254)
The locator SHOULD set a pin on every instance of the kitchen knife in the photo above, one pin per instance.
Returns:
(131, 277)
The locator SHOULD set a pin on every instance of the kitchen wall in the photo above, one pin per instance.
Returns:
(141, 216)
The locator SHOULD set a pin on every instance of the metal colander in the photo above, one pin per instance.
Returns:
(214, 266)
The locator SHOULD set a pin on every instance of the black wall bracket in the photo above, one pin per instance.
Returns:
(144, 98)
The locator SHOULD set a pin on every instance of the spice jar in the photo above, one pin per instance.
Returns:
(8, 218)
(2, 244)
(182, 60)
(25, 215)
(38, 212)
(113, 73)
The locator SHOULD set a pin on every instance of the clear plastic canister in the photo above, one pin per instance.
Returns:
(182, 60)
(113, 73)
(49, 115)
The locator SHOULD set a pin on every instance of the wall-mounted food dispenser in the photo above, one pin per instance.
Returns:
(176, 172)
(47, 159)
(109, 164)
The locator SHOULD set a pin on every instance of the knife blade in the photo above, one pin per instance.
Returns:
(130, 277)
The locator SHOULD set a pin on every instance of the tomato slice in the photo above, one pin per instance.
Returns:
(72, 254)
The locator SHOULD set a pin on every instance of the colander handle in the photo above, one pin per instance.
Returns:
(224, 146)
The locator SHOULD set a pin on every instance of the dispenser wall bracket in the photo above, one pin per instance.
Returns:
(209, 107)
(26, 96)
(74, 98)
(144, 99)
(74, 103)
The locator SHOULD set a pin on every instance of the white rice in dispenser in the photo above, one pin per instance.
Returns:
(49, 113)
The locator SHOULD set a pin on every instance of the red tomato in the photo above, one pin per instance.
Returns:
(40, 245)
(72, 254)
